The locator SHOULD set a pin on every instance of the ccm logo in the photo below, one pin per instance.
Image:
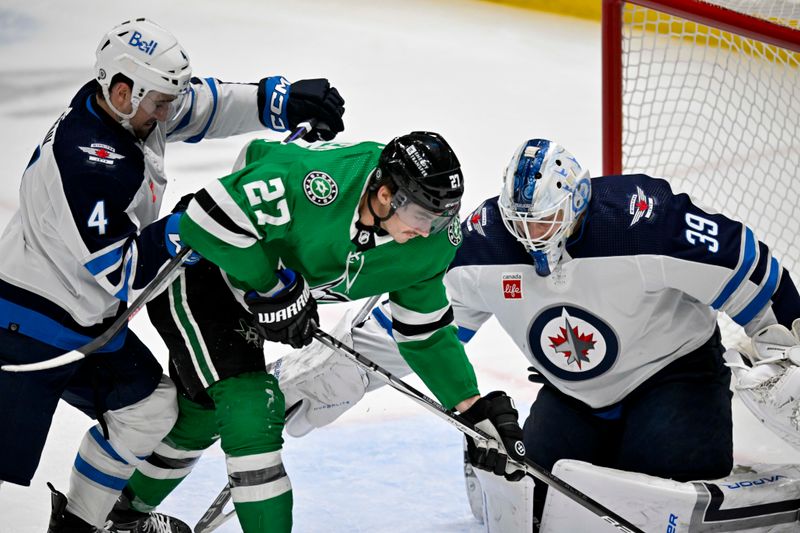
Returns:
(512, 286)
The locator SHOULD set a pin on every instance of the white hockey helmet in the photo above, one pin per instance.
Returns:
(148, 55)
(545, 190)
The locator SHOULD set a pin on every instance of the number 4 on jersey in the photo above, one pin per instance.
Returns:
(98, 218)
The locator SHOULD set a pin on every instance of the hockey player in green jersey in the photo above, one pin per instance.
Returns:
(291, 227)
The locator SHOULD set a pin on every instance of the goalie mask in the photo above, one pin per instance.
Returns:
(545, 190)
(150, 57)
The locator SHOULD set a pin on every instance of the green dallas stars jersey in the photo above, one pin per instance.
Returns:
(297, 207)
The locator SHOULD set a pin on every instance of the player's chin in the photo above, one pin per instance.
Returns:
(405, 236)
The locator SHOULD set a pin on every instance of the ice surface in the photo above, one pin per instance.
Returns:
(484, 75)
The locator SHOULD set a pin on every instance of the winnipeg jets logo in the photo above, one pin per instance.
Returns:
(320, 188)
(101, 153)
(641, 206)
(477, 220)
(572, 344)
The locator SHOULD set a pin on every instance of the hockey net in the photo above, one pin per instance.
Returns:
(707, 95)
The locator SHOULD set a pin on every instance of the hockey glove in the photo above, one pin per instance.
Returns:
(495, 415)
(173, 239)
(318, 100)
(768, 379)
(289, 316)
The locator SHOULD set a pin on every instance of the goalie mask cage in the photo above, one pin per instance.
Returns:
(707, 95)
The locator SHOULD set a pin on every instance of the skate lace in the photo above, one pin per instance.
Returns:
(157, 523)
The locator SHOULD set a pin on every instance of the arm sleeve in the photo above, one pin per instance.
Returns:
(214, 109)
(467, 307)
(721, 262)
(231, 221)
(422, 322)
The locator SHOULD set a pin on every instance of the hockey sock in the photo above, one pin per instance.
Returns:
(249, 410)
(174, 458)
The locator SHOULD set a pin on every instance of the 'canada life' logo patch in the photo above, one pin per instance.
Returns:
(512, 286)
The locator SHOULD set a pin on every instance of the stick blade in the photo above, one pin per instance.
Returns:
(61, 360)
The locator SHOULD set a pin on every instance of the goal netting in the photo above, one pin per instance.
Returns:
(707, 95)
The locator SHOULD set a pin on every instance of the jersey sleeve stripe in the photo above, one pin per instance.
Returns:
(122, 293)
(762, 297)
(383, 321)
(745, 264)
(238, 218)
(213, 87)
(106, 260)
(227, 232)
(465, 334)
(405, 332)
(760, 270)
(187, 118)
(407, 316)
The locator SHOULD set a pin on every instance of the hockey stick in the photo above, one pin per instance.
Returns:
(531, 468)
(214, 517)
(162, 279)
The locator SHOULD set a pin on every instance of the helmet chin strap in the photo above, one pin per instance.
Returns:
(123, 118)
(376, 218)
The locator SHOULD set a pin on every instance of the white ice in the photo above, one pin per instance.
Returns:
(484, 75)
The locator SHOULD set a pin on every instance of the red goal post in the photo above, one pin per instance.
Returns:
(707, 95)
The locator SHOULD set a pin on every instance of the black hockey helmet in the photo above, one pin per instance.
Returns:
(422, 169)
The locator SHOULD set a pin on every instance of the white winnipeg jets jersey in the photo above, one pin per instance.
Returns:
(639, 287)
(80, 243)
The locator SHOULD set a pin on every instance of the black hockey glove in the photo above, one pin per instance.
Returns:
(316, 99)
(495, 415)
(290, 316)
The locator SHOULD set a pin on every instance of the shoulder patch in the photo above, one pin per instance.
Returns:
(319, 187)
(454, 232)
(101, 153)
(640, 206)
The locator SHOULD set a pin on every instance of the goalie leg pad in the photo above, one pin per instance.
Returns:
(507, 505)
(757, 498)
(320, 382)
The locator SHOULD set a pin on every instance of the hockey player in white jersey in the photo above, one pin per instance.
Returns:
(85, 240)
(610, 287)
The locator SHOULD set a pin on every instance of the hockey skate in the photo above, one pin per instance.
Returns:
(62, 521)
(124, 519)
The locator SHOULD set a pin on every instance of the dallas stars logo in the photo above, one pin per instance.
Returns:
(572, 344)
(248, 332)
(320, 188)
(454, 232)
